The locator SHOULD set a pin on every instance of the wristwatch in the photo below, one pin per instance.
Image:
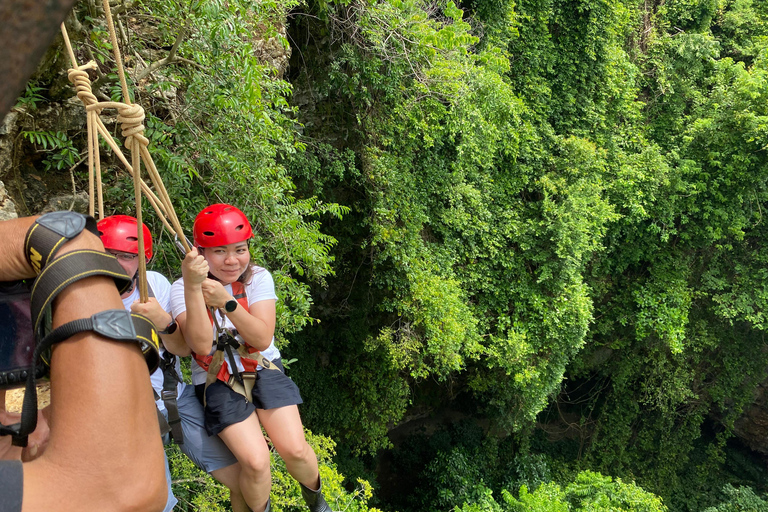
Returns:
(230, 305)
(170, 328)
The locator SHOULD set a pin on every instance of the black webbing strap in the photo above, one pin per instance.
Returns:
(164, 426)
(67, 269)
(50, 232)
(170, 390)
(148, 340)
(226, 343)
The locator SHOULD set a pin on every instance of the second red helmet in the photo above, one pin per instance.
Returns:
(120, 233)
(220, 224)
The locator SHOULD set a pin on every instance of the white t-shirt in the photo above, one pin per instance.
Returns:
(261, 287)
(161, 288)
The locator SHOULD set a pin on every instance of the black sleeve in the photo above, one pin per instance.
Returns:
(11, 485)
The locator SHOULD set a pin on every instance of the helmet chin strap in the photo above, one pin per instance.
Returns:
(134, 281)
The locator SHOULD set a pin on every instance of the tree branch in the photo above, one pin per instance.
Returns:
(170, 58)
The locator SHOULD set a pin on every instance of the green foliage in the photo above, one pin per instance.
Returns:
(589, 492)
(31, 96)
(594, 492)
(739, 499)
(61, 153)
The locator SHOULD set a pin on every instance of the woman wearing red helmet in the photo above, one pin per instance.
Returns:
(119, 234)
(221, 287)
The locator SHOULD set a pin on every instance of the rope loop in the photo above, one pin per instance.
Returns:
(82, 82)
(131, 117)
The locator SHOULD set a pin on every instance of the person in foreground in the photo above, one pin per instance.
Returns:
(222, 296)
(103, 452)
(119, 234)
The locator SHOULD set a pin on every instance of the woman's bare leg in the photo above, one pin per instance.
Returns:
(248, 445)
(285, 430)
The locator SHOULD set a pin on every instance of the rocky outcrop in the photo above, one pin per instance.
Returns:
(272, 51)
(752, 426)
(7, 207)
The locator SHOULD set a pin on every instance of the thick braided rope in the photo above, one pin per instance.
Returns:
(79, 77)
(82, 82)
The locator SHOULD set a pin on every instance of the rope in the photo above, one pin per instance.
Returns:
(131, 117)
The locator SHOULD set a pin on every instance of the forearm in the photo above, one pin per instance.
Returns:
(255, 331)
(176, 344)
(196, 327)
(104, 452)
(15, 265)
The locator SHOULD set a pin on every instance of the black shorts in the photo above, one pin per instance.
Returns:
(224, 407)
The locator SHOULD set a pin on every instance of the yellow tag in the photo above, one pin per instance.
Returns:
(36, 259)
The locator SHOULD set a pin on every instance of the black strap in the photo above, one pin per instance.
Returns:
(171, 380)
(148, 339)
(68, 269)
(226, 343)
(50, 232)
(115, 324)
(164, 426)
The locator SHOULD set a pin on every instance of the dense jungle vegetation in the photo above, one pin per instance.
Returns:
(519, 246)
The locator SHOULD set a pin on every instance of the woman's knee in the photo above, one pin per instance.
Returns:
(255, 465)
(296, 452)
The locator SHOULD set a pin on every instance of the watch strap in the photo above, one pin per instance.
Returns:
(170, 328)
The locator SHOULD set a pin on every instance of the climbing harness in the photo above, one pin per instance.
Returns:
(241, 382)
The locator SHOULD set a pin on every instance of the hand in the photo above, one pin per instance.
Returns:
(194, 268)
(36, 442)
(215, 294)
(154, 311)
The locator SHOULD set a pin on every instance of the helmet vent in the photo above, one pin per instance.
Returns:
(132, 239)
(208, 233)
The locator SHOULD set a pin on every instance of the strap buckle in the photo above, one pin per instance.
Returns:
(168, 394)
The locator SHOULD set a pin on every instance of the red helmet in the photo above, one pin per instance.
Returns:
(119, 233)
(220, 224)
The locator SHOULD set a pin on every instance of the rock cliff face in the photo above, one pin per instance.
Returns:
(752, 426)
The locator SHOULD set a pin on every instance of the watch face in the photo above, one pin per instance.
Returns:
(230, 306)
(171, 327)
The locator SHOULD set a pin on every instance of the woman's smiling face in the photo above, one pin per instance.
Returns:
(228, 262)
